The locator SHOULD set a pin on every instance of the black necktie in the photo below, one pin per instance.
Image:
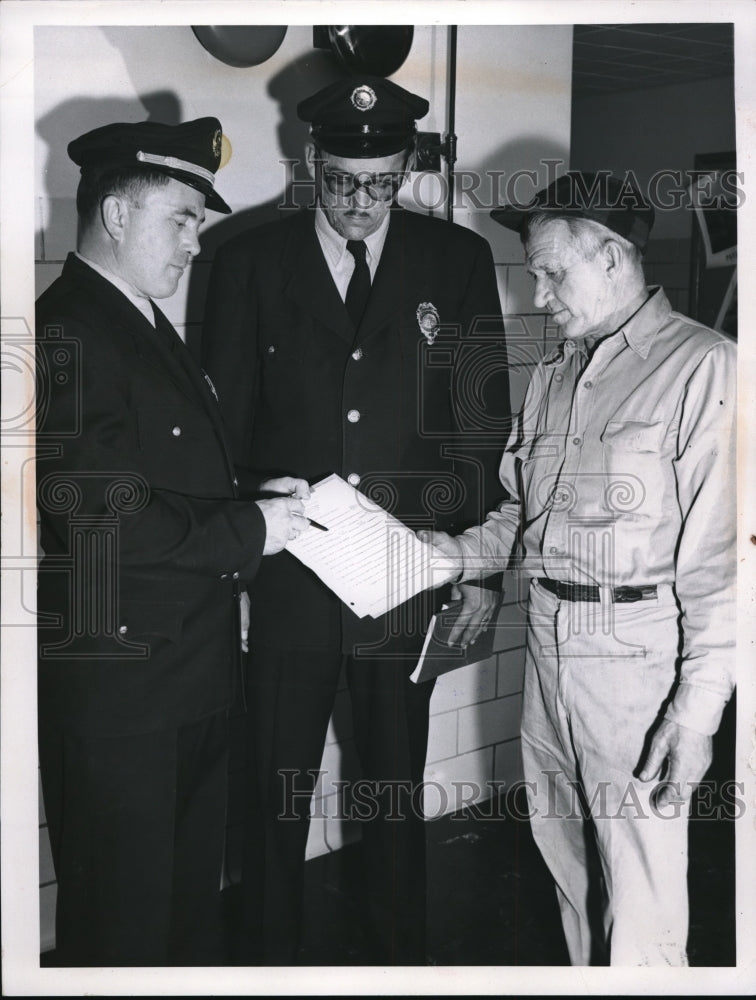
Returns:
(359, 284)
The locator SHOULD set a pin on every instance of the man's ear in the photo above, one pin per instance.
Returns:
(614, 257)
(312, 155)
(114, 214)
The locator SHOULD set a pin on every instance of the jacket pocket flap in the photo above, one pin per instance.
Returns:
(156, 618)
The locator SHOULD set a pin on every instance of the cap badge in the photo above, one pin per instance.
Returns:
(217, 143)
(363, 98)
(428, 320)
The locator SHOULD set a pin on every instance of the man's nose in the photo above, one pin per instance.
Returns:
(191, 243)
(541, 292)
(362, 199)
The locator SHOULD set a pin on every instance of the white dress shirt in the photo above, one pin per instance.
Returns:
(340, 261)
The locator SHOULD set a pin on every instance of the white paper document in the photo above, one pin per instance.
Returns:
(367, 557)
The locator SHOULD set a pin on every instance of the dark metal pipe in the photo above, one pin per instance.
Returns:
(451, 139)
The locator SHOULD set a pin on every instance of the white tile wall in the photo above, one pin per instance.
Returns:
(485, 724)
(442, 737)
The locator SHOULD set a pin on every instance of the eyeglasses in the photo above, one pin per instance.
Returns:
(380, 187)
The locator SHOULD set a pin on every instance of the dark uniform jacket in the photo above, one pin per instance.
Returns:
(302, 393)
(140, 527)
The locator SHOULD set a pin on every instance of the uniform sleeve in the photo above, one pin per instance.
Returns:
(481, 393)
(489, 548)
(705, 574)
(229, 352)
(481, 406)
(100, 470)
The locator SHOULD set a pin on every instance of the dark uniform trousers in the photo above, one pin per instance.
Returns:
(291, 696)
(137, 825)
(390, 409)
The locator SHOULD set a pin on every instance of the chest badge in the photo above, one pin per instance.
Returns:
(428, 320)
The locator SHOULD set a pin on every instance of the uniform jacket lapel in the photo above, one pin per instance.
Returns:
(394, 281)
(308, 281)
(152, 346)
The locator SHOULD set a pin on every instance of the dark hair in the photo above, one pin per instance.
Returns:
(124, 182)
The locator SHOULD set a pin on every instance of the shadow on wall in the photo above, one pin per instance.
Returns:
(511, 174)
(300, 78)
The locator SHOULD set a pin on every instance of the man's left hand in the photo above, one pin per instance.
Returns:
(688, 756)
(287, 486)
(479, 606)
(244, 620)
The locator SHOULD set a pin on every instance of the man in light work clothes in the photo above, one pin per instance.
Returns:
(621, 473)
(349, 338)
(146, 538)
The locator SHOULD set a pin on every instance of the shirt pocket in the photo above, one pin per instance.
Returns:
(634, 466)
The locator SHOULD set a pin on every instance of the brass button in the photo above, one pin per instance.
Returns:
(356, 355)
(176, 431)
(353, 479)
(353, 416)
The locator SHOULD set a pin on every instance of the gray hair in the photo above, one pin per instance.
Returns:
(589, 236)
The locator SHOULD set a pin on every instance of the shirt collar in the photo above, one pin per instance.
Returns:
(639, 331)
(642, 327)
(334, 245)
(143, 304)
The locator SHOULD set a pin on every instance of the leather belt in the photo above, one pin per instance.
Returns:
(584, 592)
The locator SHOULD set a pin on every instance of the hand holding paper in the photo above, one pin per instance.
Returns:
(367, 557)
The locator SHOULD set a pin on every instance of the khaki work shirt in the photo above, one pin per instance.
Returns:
(621, 471)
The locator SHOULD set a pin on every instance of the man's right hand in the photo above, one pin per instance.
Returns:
(446, 545)
(284, 521)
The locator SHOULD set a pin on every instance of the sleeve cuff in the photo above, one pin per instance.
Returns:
(696, 708)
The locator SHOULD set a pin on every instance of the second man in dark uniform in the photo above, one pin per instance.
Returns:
(346, 339)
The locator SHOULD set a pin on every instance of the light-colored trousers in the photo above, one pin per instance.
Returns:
(597, 678)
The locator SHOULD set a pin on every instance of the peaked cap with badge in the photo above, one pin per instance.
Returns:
(363, 116)
(189, 152)
(598, 196)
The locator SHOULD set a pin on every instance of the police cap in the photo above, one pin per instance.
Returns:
(363, 116)
(190, 152)
(614, 203)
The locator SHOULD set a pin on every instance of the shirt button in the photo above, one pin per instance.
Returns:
(353, 479)
(588, 384)
(272, 349)
(353, 416)
(576, 440)
(558, 377)
(176, 432)
(123, 629)
(356, 355)
(553, 550)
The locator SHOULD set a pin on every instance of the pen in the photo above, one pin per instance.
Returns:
(313, 523)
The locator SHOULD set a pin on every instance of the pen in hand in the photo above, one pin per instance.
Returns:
(315, 524)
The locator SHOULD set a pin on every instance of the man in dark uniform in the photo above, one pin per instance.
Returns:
(145, 539)
(340, 339)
